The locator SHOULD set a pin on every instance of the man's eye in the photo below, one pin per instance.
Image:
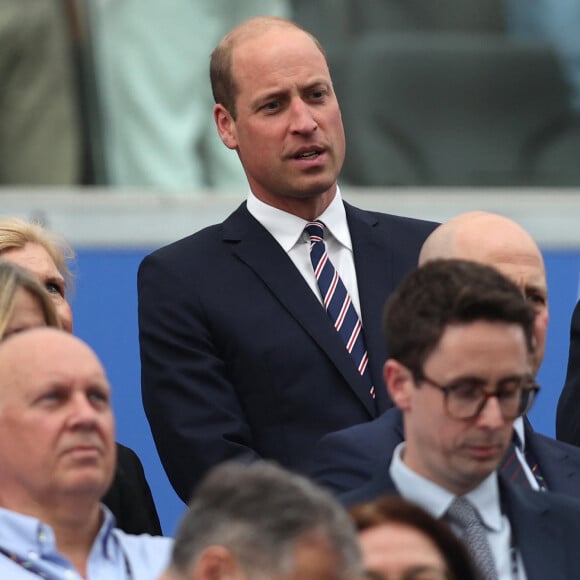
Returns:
(52, 396)
(317, 95)
(99, 397)
(271, 106)
(466, 391)
(537, 300)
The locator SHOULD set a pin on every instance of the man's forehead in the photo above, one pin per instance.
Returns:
(46, 348)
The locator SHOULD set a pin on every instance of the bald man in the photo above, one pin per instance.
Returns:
(57, 452)
(346, 459)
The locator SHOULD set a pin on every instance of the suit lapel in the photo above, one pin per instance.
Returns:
(538, 537)
(375, 281)
(254, 245)
(559, 464)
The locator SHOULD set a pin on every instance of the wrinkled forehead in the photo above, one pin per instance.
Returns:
(34, 258)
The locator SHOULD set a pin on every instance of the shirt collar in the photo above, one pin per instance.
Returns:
(18, 531)
(520, 433)
(436, 500)
(288, 229)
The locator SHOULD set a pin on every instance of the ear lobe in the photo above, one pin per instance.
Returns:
(216, 563)
(226, 126)
(399, 381)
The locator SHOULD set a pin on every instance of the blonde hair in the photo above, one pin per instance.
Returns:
(14, 278)
(16, 233)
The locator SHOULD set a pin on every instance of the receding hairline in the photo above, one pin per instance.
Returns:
(258, 26)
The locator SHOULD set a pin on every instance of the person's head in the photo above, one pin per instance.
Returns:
(57, 442)
(461, 343)
(24, 303)
(258, 521)
(400, 540)
(276, 106)
(500, 242)
(43, 253)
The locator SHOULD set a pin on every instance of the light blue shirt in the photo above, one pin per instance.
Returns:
(485, 498)
(114, 555)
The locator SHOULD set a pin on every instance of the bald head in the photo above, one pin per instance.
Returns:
(500, 242)
(57, 440)
(43, 349)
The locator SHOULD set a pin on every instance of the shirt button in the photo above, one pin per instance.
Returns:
(42, 537)
(33, 555)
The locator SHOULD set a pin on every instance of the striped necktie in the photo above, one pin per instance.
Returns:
(337, 302)
(512, 469)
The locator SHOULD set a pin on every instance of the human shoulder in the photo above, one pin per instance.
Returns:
(202, 243)
(145, 553)
(395, 225)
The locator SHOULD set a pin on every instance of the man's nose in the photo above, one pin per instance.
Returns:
(82, 411)
(302, 119)
(491, 415)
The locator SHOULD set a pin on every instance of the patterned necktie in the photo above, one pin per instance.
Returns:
(337, 302)
(464, 515)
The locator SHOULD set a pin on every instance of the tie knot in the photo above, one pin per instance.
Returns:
(315, 230)
(463, 513)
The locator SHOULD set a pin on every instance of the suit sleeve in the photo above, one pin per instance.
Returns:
(194, 412)
(129, 497)
(339, 464)
(568, 413)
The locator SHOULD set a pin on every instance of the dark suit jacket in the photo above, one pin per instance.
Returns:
(568, 413)
(239, 359)
(129, 497)
(545, 525)
(347, 459)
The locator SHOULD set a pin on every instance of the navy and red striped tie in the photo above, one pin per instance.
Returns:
(337, 302)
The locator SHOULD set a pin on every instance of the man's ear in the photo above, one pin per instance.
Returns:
(399, 381)
(216, 563)
(226, 126)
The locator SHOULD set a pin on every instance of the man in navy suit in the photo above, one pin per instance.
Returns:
(239, 357)
(346, 459)
(461, 370)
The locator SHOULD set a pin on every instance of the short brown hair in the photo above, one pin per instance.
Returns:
(445, 292)
(223, 83)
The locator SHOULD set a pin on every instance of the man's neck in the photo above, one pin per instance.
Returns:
(75, 534)
(307, 208)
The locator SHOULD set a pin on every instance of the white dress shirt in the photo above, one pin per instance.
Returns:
(288, 230)
(485, 498)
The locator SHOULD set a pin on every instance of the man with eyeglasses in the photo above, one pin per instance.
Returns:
(461, 343)
(346, 459)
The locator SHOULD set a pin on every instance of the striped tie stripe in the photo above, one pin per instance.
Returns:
(337, 301)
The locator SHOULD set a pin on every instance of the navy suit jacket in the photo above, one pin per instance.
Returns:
(348, 458)
(129, 497)
(545, 525)
(568, 413)
(238, 357)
